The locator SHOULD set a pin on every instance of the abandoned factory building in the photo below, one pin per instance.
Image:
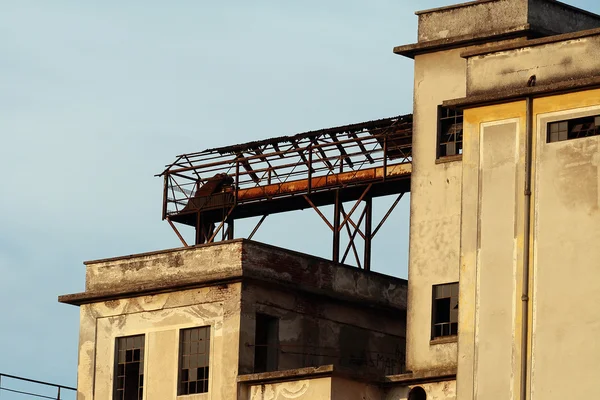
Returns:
(501, 158)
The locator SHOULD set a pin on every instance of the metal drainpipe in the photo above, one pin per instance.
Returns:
(526, 248)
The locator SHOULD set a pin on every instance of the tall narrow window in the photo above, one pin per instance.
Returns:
(445, 310)
(450, 132)
(573, 128)
(266, 343)
(194, 350)
(129, 368)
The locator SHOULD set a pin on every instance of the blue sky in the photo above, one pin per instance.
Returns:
(97, 96)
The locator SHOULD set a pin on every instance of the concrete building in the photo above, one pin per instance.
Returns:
(500, 301)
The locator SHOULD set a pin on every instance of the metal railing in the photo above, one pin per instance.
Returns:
(60, 390)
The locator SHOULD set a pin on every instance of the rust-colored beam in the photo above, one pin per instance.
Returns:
(177, 232)
(309, 201)
(341, 149)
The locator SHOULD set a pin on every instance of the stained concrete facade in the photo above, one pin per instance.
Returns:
(327, 314)
(512, 219)
(468, 213)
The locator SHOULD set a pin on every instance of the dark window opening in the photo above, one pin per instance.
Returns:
(450, 132)
(417, 393)
(573, 128)
(194, 350)
(129, 368)
(445, 310)
(266, 343)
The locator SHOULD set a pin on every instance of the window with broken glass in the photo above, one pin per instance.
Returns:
(573, 128)
(129, 368)
(450, 132)
(445, 310)
(194, 360)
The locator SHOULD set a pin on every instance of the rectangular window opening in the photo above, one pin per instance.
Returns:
(266, 343)
(450, 132)
(573, 128)
(129, 368)
(194, 350)
(445, 310)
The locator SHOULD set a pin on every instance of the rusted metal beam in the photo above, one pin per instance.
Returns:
(242, 160)
(362, 147)
(262, 219)
(362, 196)
(341, 149)
(368, 237)
(177, 232)
(309, 201)
(387, 214)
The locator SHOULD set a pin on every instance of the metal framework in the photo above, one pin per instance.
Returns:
(209, 190)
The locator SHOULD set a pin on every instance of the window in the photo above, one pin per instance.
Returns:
(194, 349)
(129, 368)
(445, 310)
(573, 128)
(450, 132)
(417, 393)
(266, 343)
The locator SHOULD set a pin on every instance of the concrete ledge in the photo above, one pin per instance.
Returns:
(288, 375)
(520, 31)
(435, 375)
(518, 94)
(235, 261)
(530, 43)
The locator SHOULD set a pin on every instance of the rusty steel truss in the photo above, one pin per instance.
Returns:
(209, 190)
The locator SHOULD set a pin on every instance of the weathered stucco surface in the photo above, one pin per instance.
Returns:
(550, 63)
(491, 251)
(435, 391)
(328, 314)
(435, 208)
(566, 232)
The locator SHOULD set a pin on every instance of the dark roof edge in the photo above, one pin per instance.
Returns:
(411, 50)
(521, 93)
(531, 43)
(471, 3)
(452, 6)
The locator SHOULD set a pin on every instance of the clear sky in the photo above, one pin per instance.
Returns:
(95, 97)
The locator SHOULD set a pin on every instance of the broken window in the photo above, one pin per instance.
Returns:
(445, 310)
(573, 128)
(266, 343)
(129, 368)
(194, 350)
(450, 132)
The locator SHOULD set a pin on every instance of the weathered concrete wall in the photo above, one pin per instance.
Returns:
(435, 208)
(346, 389)
(315, 331)
(435, 391)
(566, 291)
(319, 276)
(477, 18)
(159, 318)
(303, 389)
(471, 19)
(165, 268)
(550, 63)
(491, 251)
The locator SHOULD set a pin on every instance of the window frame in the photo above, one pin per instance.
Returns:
(567, 126)
(440, 118)
(116, 370)
(450, 321)
(180, 361)
(271, 351)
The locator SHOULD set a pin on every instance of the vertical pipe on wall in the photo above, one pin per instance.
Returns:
(526, 246)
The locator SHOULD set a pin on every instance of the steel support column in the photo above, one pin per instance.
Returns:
(336, 227)
(368, 236)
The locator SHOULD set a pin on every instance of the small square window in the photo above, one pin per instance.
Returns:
(194, 349)
(450, 132)
(445, 310)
